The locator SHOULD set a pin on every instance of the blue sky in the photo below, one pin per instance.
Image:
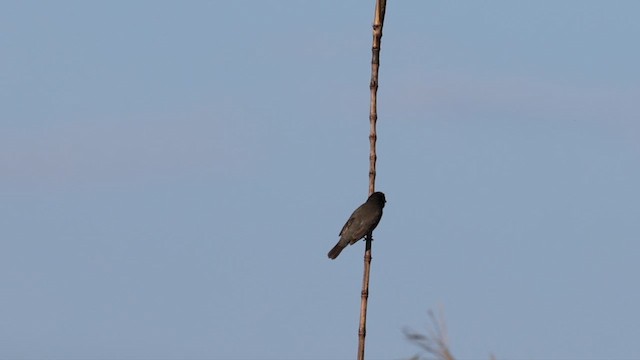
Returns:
(172, 176)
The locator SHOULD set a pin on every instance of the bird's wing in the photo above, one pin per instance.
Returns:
(359, 229)
(346, 225)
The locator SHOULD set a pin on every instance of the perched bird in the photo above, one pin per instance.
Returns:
(361, 223)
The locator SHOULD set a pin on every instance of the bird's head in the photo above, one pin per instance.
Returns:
(378, 198)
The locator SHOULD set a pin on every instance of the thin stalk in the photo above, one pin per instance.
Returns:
(378, 21)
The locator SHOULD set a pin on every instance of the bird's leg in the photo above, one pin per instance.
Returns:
(368, 237)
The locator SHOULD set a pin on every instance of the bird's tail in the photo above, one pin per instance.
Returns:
(333, 253)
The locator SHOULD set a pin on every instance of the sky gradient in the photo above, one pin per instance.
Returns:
(172, 176)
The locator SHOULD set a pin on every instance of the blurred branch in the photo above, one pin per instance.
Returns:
(435, 344)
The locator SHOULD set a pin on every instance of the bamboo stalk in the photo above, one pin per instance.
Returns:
(378, 21)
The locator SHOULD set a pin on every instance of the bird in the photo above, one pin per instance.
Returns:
(361, 223)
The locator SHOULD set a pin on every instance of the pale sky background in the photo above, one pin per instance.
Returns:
(173, 173)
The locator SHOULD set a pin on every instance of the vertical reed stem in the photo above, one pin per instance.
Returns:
(378, 21)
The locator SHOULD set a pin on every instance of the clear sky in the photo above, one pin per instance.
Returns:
(172, 175)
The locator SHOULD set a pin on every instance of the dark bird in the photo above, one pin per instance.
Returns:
(361, 223)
